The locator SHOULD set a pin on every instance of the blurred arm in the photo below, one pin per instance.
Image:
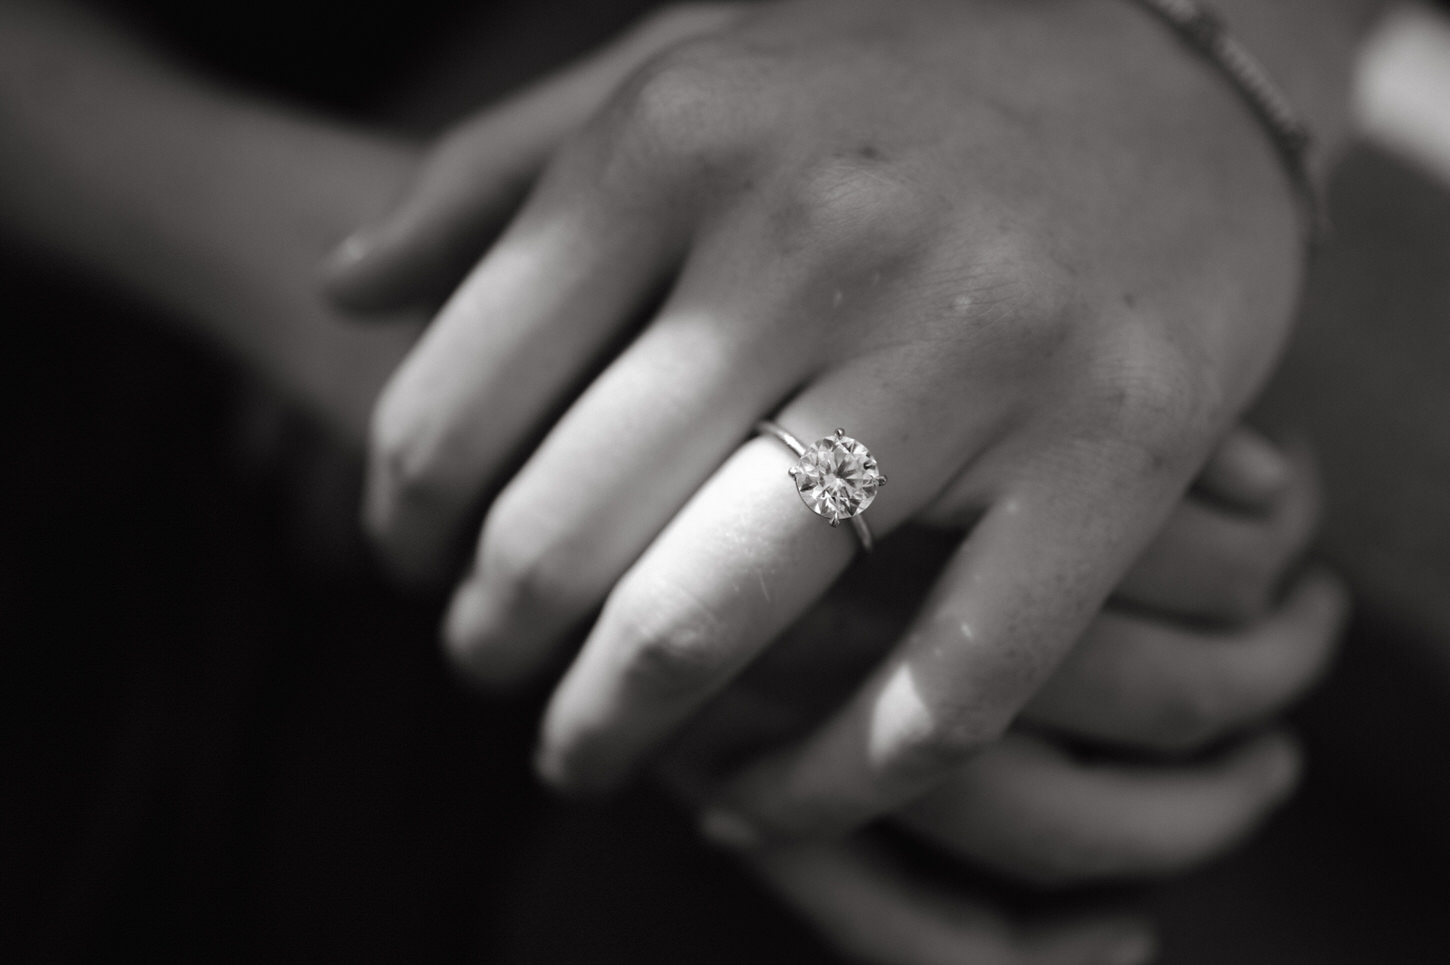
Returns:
(211, 204)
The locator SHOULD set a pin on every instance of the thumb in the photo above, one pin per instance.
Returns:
(475, 177)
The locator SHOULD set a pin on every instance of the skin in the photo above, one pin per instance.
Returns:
(1253, 503)
(1185, 693)
(124, 166)
(1162, 683)
(1033, 255)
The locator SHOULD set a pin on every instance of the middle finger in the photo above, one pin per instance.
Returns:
(660, 419)
(523, 327)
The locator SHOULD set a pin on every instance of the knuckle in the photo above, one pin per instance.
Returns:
(1155, 406)
(405, 465)
(524, 559)
(680, 109)
(669, 660)
(671, 646)
(1158, 399)
(1025, 277)
(1023, 304)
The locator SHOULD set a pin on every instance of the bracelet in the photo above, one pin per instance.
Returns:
(1204, 31)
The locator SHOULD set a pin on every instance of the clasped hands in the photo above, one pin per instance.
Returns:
(1041, 289)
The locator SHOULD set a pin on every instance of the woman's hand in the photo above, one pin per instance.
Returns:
(1033, 255)
(1211, 638)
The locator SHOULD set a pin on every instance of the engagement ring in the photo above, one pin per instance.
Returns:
(836, 477)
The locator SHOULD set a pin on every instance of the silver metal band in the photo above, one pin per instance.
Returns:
(765, 427)
(1205, 32)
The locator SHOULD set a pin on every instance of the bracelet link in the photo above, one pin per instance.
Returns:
(1204, 29)
(1206, 32)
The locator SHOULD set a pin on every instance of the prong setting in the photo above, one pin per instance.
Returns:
(836, 477)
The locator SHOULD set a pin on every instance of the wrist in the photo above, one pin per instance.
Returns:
(1309, 48)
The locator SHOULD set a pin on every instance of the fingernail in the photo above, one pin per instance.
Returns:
(1137, 948)
(728, 830)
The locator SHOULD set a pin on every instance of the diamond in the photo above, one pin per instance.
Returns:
(837, 477)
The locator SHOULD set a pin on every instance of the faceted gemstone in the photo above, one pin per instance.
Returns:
(837, 477)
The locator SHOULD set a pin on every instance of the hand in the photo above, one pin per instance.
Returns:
(473, 179)
(1210, 637)
(985, 237)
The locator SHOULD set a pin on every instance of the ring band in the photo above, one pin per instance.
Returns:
(836, 477)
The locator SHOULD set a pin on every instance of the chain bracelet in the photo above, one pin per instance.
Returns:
(1205, 32)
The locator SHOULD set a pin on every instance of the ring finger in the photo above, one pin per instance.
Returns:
(739, 563)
